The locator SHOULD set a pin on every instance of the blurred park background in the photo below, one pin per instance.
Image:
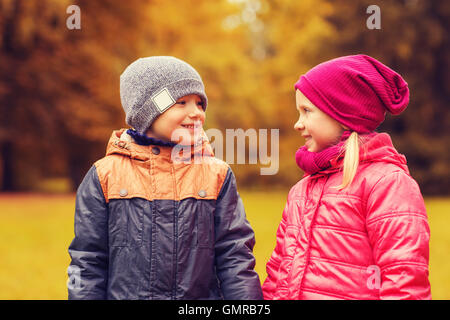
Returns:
(59, 102)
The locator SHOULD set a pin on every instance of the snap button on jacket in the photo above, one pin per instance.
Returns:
(202, 193)
(155, 150)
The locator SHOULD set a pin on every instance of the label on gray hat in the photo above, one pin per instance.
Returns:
(163, 100)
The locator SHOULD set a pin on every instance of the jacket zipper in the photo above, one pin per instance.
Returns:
(175, 236)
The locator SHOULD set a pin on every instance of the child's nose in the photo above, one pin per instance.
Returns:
(299, 125)
(195, 110)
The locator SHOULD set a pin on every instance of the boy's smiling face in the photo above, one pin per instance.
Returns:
(178, 122)
(319, 129)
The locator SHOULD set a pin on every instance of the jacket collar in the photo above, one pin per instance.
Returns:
(123, 144)
(378, 148)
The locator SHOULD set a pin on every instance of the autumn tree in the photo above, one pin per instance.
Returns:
(414, 41)
(59, 88)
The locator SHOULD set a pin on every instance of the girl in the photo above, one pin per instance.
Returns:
(355, 227)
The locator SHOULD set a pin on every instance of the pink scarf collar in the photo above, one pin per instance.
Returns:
(312, 162)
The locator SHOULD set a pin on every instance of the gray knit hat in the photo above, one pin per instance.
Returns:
(149, 86)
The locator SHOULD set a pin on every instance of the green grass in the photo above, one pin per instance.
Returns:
(35, 231)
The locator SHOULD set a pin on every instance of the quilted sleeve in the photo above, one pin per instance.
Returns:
(398, 231)
(88, 270)
(234, 246)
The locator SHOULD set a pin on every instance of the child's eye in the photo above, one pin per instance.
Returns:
(181, 102)
(200, 103)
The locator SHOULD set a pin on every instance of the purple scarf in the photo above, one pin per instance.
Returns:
(312, 162)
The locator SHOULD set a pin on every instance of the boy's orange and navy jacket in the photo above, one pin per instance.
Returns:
(148, 227)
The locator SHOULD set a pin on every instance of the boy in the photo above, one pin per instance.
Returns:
(150, 227)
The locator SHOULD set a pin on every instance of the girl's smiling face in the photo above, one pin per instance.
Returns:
(179, 122)
(318, 128)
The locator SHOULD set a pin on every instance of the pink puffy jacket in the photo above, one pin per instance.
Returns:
(368, 241)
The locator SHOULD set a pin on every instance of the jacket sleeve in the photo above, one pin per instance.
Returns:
(234, 241)
(273, 265)
(88, 270)
(399, 234)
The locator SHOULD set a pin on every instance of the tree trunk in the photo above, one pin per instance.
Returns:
(6, 151)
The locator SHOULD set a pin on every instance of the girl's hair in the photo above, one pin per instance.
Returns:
(351, 159)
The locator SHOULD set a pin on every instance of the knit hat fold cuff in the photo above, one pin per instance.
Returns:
(184, 87)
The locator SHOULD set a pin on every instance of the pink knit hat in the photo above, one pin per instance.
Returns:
(355, 90)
